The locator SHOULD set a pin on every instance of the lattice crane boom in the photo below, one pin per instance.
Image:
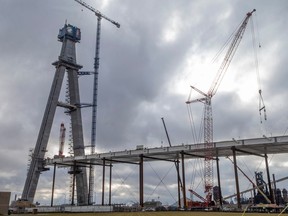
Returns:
(208, 117)
(98, 13)
(229, 55)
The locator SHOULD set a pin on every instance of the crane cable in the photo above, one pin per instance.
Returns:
(262, 107)
(227, 42)
(161, 181)
(196, 138)
(197, 165)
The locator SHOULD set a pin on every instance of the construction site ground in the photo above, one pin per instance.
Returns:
(164, 213)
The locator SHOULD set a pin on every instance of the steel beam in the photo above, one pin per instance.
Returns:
(247, 152)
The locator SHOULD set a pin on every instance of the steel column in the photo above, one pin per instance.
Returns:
(219, 182)
(53, 184)
(73, 184)
(184, 181)
(141, 182)
(179, 186)
(103, 181)
(275, 188)
(89, 185)
(269, 180)
(110, 183)
(236, 178)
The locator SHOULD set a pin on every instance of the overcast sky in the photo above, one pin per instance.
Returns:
(146, 69)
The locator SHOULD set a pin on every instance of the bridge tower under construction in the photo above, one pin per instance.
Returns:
(69, 35)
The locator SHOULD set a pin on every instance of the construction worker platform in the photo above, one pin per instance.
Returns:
(256, 146)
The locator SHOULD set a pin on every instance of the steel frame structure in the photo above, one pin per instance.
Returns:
(257, 147)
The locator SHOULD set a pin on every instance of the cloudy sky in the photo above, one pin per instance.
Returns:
(146, 69)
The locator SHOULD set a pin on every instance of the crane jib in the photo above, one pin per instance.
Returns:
(98, 13)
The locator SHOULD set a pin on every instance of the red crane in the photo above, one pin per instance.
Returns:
(61, 140)
(206, 99)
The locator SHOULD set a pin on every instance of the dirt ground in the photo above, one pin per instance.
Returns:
(187, 213)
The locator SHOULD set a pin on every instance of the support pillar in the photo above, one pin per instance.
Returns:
(103, 182)
(269, 180)
(179, 186)
(141, 182)
(275, 189)
(90, 191)
(73, 184)
(53, 184)
(236, 178)
(110, 183)
(184, 182)
(219, 182)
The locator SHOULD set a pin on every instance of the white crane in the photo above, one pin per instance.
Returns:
(95, 89)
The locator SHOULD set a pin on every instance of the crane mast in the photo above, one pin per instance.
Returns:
(206, 99)
(95, 90)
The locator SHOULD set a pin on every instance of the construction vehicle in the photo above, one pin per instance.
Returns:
(203, 204)
(19, 206)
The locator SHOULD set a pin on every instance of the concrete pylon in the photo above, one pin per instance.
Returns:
(69, 35)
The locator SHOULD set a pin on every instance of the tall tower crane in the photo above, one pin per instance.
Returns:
(95, 89)
(206, 99)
